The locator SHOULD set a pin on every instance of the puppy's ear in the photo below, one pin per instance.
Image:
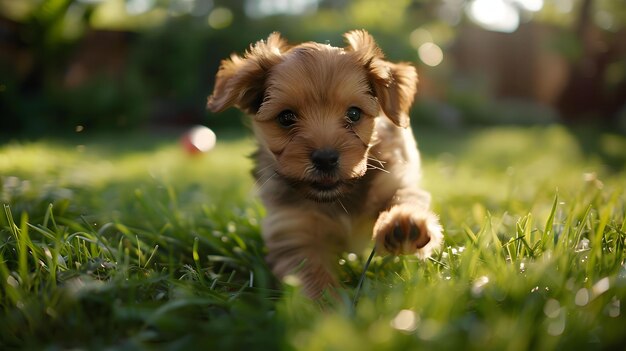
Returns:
(240, 80)
(394, 84)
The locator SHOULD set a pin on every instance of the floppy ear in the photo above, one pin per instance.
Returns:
(394, 84)
(240, 80)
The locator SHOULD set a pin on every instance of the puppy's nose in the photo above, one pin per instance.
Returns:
(325, 159)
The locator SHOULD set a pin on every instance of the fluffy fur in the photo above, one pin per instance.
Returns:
(337, 164)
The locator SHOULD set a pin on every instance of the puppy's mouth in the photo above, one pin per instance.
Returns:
(325, 184)
(323, 189)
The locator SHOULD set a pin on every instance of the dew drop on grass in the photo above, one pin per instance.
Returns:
(582, 297)
(479, 285)
(552, 308)
(583, 245)
(556, 327)
(601, 286)
(292, 280)
(614, 308)
(342, 261)
(352, 257)
(405, 320)
(12, 281)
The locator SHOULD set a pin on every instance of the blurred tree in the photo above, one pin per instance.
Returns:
(593, 90)
(58, 62)
(44, 39)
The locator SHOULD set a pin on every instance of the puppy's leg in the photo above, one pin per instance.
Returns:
(303, 243)
(408, 226)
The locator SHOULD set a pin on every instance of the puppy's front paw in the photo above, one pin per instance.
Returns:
(408, 229)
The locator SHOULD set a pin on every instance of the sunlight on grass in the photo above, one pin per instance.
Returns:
(94, 165)
(132, 243)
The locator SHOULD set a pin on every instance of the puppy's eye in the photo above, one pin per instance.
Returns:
(353, 114)
(286, 119)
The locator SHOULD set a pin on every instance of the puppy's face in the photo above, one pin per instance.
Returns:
(317, 120)
(314, 107)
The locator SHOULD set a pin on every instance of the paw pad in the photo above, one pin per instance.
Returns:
(407, 229)
(404, 235)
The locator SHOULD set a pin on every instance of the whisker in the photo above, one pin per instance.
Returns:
(357, 135)
(259, 172)
(264, 168)
(342, 206)
(381, 163)
(267, 180)
(370, 166)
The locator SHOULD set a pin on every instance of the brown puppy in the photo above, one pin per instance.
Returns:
(337, 163)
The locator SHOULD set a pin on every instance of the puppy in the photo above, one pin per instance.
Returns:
(337, 164)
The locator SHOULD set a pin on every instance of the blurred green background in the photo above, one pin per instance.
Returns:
(98, 65)
(113, 236)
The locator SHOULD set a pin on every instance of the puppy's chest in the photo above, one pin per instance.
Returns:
(360, 233)
(364, 205)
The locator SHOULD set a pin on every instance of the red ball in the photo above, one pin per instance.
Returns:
(198, 139)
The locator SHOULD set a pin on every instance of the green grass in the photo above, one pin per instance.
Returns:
(126, 242)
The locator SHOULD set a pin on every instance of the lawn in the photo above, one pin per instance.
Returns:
(126, 242)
